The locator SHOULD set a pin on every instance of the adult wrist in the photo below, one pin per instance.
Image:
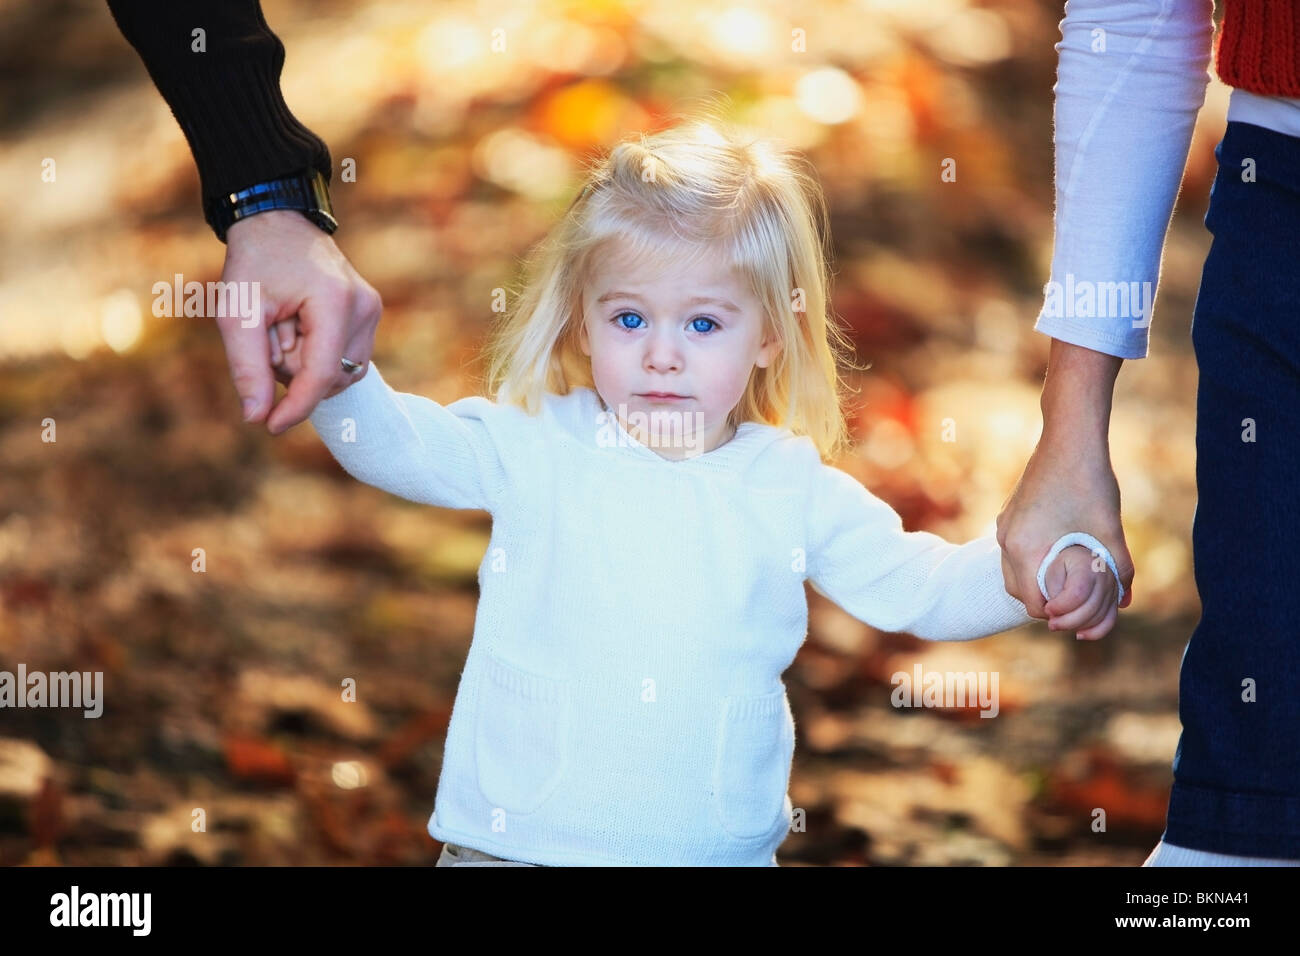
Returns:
(306, 193)
(272, 220)
(1077, 393)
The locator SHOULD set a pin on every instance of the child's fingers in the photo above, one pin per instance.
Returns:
(276, 355)
(1074, 589)
(288, 333)
(286, 362)
(1085, 613)
(290, 365)
(1096, 620)
(1101, 630)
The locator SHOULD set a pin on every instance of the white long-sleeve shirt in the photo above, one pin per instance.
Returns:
(622, 700)
(1131, 79)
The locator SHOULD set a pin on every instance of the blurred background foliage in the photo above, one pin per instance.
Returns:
(222, 688)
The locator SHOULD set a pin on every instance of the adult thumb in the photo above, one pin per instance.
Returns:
(248, 352)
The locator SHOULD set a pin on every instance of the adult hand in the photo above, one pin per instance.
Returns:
(303, 275)
(1068, 485)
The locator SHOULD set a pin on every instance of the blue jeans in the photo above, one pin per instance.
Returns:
(1237, 768)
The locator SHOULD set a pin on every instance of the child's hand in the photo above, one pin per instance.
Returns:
(1083, 600)
(286, 358)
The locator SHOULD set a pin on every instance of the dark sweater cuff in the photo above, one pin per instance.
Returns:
(240, 130)
(226, 100)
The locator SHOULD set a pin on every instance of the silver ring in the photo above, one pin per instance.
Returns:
(349, 366)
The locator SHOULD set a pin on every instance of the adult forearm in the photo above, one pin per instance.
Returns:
(1077, 395)
(223, 86)
(1130, 72)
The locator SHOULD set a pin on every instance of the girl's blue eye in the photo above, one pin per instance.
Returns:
(622, 325)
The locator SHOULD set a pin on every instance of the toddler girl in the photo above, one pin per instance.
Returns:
(666, 387)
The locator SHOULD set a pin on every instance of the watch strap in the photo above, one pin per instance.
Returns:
(307, 192)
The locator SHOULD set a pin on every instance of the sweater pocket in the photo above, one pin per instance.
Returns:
(520, 735)
(752, 766)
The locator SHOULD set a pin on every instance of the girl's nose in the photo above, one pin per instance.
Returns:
(662, 352)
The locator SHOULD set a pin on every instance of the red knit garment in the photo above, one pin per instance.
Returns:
(1258, 46)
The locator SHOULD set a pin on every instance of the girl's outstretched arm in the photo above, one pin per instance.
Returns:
(860, 557)
(411, 446)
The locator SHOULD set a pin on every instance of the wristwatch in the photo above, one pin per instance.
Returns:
(306, 192)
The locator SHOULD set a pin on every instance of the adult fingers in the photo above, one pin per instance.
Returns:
(1019, 576)
(323, 324)
(361, 343)
(1030, 597)
(358, 350)
(248, 353)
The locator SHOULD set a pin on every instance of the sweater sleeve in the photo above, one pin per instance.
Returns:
(1131, 78)
(860, 557)
(410, 446)
(226, 97)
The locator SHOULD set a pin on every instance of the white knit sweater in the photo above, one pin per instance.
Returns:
(622, 700)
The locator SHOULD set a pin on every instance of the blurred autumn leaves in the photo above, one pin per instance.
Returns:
(468, 126)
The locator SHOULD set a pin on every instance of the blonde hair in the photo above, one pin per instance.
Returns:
(699, 182)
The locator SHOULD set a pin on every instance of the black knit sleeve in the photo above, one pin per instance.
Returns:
(227, 99)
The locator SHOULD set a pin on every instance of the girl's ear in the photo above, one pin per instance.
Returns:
(583, 341)
(767, 351)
